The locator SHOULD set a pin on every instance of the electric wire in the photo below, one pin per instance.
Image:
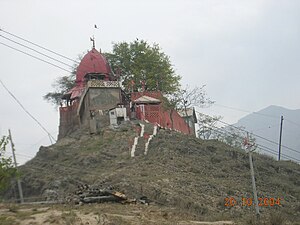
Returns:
(27, 112)
(36, 143)
(47, 49)
(45, 61)
(292, 122)
(77, 62)
(40, 59)
(219, 130)
(50, 57)
(259, 136)
(263, 147)
(265, 127)
(257, 113)
(23, 39)
(243, 130)
(276, 152)
(247, 111)
(32, 49)
(272, 152)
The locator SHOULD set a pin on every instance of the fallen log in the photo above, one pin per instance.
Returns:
(100, 199)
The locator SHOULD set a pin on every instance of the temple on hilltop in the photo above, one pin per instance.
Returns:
(97, 100)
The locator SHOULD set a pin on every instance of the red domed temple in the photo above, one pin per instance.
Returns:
(97, 100)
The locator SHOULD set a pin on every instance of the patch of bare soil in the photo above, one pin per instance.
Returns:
(96, 214)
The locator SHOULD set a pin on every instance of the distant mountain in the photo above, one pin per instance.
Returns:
(266, 123)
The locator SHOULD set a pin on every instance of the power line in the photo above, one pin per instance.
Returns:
(292, 122)
(273, 142)
(26, 111)
(267, 149)
(36, 143)
(52, 64)
(256, 135)
(39, 46)
(265, 127)
(23, 39)
(77, 62)
(277, 152)
(224, 132)
(244, 110)
(50, 57)
(38, 58)
(46, 49)
(25, 46)
(257, 113)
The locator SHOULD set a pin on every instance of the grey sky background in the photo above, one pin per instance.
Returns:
(246, 52)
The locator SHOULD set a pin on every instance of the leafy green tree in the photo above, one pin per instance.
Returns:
(141, 64)
(61, 86)
(7, 170)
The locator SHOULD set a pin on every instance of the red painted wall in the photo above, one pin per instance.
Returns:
(156, 115)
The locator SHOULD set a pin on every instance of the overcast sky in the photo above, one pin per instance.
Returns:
(246, 52)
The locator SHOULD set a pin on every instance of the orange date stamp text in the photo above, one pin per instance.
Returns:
(231, 201)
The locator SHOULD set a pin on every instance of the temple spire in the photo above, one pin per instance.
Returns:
(93, 40)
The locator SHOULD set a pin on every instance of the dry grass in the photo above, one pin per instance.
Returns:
(182, 172)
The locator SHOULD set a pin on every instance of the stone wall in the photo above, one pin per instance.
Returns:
(103, 98)
(92, 113)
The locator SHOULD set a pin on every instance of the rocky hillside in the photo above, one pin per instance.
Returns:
(179, 171)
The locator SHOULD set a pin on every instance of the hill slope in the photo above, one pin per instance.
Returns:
(180, 171)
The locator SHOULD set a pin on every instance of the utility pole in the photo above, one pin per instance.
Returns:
(16, 166)
(280, 137)
(248, 146)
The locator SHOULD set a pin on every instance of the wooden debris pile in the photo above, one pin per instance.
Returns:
(87, 194)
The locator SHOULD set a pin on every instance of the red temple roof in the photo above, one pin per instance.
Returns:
(92, 62)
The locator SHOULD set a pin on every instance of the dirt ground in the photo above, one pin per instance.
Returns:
(102, 214)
